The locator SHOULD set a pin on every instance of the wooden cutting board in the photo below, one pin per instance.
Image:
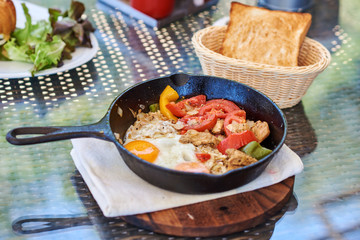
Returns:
(220, 216)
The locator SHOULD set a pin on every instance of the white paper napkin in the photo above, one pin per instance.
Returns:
(118, 191)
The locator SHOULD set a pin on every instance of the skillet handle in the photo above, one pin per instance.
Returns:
(19, 136)
(40, 224)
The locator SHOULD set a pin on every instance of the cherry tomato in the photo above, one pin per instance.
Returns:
(180, 109)
(220, 107)
(154, 8)
(199, 123)
(238, 116)
(236, 141)
(192, 167)
(203, 157)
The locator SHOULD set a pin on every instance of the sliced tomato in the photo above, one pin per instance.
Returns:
(236, 141)
(196, 101)
(238, 116)
(180, 109)
(203, 157)
(221, 107)
(175, 109)
(199, 123)
(224, 101)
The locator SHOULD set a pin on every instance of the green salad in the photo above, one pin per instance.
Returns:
(47, 43)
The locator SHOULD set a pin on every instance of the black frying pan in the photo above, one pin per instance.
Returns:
(257, 107)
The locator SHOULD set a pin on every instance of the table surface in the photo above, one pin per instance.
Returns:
(41, 181)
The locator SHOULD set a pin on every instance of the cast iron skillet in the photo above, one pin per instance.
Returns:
(256, 105)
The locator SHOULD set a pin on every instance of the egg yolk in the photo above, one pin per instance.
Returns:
(143, 149)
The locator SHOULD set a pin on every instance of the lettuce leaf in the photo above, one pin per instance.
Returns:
(3, 54)
(21, 35)
(73, 29)
(47, 54)
(17, 52)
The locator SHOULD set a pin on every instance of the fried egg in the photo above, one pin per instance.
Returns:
(156, 139)
(170, 152)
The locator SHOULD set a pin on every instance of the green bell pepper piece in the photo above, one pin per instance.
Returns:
(154, 107)
(255, 150)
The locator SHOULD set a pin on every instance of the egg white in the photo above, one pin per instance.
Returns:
(172, 152)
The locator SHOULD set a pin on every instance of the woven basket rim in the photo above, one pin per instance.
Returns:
(325, 56)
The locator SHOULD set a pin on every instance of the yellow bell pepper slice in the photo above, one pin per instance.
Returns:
(167, 96)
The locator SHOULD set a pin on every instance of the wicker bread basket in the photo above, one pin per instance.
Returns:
(284, 85)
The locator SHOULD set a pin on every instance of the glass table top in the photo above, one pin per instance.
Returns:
(41, 181)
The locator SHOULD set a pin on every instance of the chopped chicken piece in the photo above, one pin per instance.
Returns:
(216, 162)
(238, 159)
(199, 138)
(193, 112)
(221, 137)
(144, 126)
(218, 128)
(236, 127)
(261, 130)
(214, 152)
(179, 125)
(218, 167)
(250, 123)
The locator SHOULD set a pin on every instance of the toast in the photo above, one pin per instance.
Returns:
(265, 36)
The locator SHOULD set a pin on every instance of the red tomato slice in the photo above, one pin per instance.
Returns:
(238, 116)
(196, 101)
(179, 109)
(224, 101)
(220, 107)
(236, 141)
(175, 109)
(199, 123)
(203, 157)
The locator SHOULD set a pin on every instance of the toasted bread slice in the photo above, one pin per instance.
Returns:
(265, 36)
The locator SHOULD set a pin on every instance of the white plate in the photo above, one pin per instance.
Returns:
(12, 69)
(222, 21)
